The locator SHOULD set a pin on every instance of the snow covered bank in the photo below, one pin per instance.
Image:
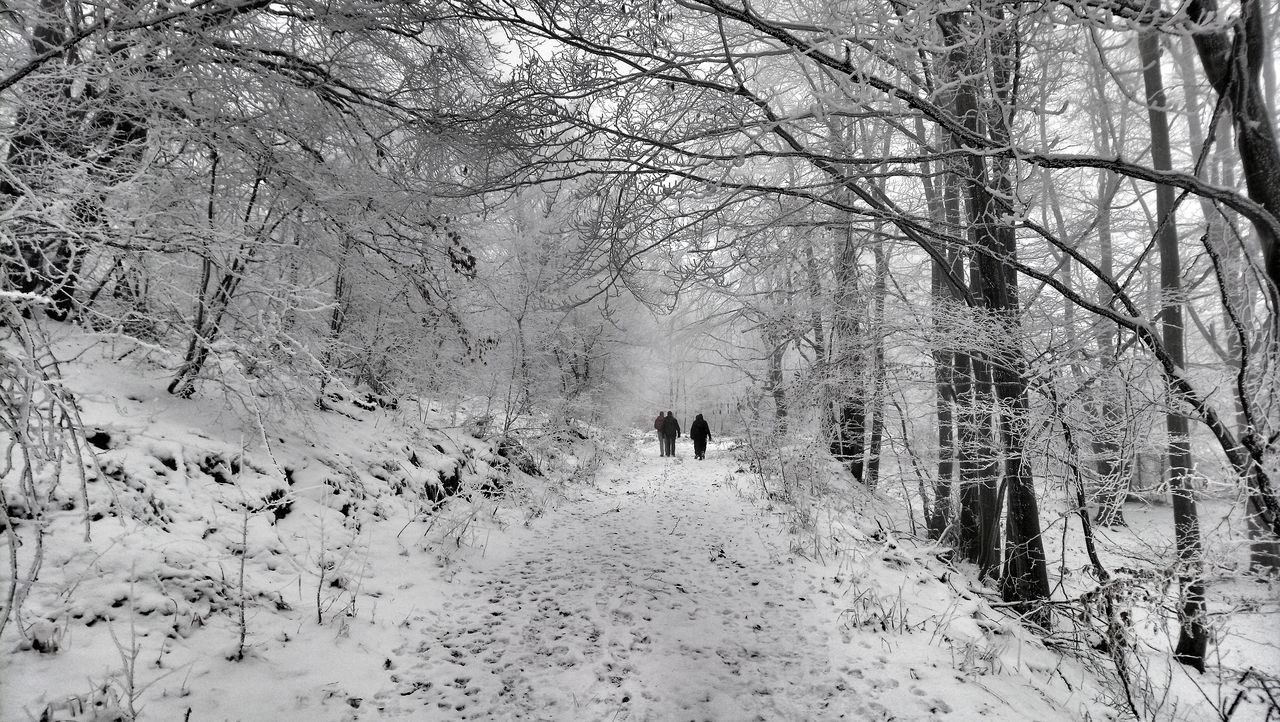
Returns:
(238, 564)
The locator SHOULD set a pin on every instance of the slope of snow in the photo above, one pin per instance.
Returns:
(306, 520)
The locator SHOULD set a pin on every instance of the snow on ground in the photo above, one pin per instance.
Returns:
(620, 586)
(664, 592)
(653, 589)
(1242, 681)
(310, 519)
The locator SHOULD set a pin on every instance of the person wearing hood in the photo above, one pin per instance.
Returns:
(670, 430)
(657, 426)
(700, 432)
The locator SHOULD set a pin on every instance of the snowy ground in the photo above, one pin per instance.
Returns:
(619, 586)
(662, 589)
(666, 593)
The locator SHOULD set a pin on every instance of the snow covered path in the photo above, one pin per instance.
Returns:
(664, 594)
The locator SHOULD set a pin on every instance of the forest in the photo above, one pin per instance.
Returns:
(1013, 268)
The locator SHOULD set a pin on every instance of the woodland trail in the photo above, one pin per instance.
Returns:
(661, 593)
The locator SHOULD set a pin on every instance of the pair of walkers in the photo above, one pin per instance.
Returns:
(668, 429)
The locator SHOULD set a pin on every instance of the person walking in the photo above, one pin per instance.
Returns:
(657, 426)
(670, 430)
(700, 432)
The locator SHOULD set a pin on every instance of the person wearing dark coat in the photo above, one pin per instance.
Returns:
(670, 430)
(700, 432)
(657, 426)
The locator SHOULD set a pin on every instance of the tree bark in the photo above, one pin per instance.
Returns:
(1193, 639)
(1025, 577)
(943, 198)
(847, 409)
(776, 349)
(878, 374)
(814, 278)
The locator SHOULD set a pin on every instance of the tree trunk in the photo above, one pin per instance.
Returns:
(776, 348)
(847, 408)
(1193, 640)
(338, 315)
(814, 279)
(979, 521)
(1025, 577)
(205, 332)
(878, 380)
(210, 310)
(945, 210)
(940, 515)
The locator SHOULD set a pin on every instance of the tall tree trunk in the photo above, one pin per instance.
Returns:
(878, 380)
(977, 526)
(847, 408)
(1025, 577)
(1193, 640)
(943, 197)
